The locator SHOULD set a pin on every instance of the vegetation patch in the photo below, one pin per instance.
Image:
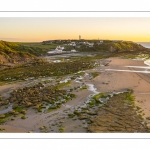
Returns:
(41, 68)
(39, 97)
(129, 97)
(62, 129)
(10, 54)
(83, 87)
(4, 117)
(118, 115)
(23, 117)
(19, 109)
(3, 120)
(60, 85)
(2, 129)
(96, 99)
(71, 115)
(94, 74)
(78, 113)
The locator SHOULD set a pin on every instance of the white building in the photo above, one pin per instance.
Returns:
(90, 44)
(72, 44)
(73, 50)
(59, 49)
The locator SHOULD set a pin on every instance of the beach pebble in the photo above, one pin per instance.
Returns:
(62, 121)
(2, 116)
(148, 118)
(92, 113)
(15, 106)
(42, 127)
(16, 113)
(148, 125)
(83, 117)
(11, 112)
(23, 111)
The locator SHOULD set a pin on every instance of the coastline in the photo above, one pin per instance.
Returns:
(139, 82)
(108, 80)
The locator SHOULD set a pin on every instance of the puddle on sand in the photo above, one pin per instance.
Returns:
(86, 74)
(57, 61)
(78, 79)
(6, 110)
(92, 88)
(80, 71)
(68, 106)
(65, 81)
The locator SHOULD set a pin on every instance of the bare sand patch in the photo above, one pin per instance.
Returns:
(120, 81)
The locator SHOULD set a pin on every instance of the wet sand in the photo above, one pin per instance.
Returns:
(106, 81)
(117, 81)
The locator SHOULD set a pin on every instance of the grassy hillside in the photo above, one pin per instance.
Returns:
(39, 49)
(14, 51)
(113, 46)
(36, 49)
(127, 46)
(9, 54)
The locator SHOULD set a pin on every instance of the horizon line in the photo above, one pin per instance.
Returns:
(73, 39)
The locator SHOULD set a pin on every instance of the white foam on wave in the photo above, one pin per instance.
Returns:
(143, 67)
(147, 62)
(145, 71)
(145, 58)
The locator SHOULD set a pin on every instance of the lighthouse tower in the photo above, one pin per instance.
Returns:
(79, 37)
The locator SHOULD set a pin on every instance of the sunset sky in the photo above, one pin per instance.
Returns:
(39, 29)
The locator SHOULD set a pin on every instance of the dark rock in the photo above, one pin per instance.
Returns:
(82, 117)
(11, 112)
(2, 116)
(15, 105)
(92, 113)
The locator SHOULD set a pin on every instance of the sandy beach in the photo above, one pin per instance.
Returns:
(119, 81)
(118, 75)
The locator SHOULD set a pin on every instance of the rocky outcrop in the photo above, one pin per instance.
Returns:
(118, 115)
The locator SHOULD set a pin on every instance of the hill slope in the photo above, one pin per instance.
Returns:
(113, 46)
(9, 55)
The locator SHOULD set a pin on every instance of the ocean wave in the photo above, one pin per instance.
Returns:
(147, 62)
(145, 58)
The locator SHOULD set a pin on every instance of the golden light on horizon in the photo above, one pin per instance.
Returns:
(39, 29)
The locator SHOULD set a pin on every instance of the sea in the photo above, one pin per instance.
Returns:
(146, 45)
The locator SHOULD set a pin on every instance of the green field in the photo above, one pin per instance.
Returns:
(39, 45)
(36, 49)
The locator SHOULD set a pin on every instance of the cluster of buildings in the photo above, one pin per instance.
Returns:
(60, 49)
(71, 44)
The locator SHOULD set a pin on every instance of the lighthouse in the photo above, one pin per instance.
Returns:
(79, 37)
